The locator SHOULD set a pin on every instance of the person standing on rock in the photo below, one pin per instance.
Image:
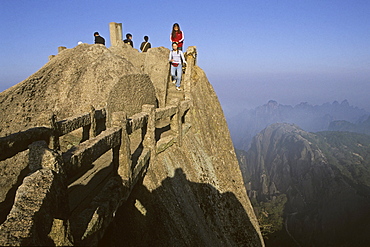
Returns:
(145, 45)
(128, 40)
(177, 36)
(176, 58)
(99, 39)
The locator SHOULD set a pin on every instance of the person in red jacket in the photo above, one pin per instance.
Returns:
(177, 36)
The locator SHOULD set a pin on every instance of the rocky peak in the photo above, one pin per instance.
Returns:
(319, 177)
(192, 194)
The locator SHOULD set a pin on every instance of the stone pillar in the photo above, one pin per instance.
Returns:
(185, 114)
(175, 124)
(115, 30)
(40, 156)
(149, 138)
(93, 128)
(54, 138)
(119, 119)
(190, 57)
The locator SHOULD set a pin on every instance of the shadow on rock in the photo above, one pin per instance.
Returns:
(181, 213)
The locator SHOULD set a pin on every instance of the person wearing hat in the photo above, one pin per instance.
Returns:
(99, 39)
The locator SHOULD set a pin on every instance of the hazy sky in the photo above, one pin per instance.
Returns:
(313, 51)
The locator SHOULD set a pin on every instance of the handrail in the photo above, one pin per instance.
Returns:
(87, 152)
(136, 122)
(164, 112)
(70, 124)
(12, 144)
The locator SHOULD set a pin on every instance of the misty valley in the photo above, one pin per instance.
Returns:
(307, 172)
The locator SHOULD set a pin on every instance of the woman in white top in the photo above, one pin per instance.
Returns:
(176, 58)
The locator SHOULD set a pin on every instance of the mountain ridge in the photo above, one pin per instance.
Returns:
(319, 184)
(312, 118)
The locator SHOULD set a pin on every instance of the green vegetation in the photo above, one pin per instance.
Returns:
(349, 152)
(270, 214)
(343, 157)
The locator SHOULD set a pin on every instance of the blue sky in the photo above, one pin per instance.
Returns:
(293, 51)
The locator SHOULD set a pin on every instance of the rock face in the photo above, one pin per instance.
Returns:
(70, 83)
(313, 187)
(192, 195)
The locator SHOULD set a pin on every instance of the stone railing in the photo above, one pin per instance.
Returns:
(92, 124)
(51, 165)
(18, 142)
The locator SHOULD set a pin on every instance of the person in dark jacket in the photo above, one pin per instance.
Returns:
(145, 45)
(99, 39)
(128, 40)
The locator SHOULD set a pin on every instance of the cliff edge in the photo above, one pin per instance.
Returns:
(192, 194)
(310, 189)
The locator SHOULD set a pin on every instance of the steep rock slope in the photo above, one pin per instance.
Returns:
(315, 187)
(70, 83)
(192, 195)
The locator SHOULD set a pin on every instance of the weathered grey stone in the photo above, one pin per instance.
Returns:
(130, 93)
(131, 54)
(40, 156)
(137, 121)
(157, 66)
(185, 105)
(190, 57)
(12, 172)
(89, 151)
(149, 140)
(93, 220)
(41, 198)
(115, 30)
(12, 144)
(164, 112)
(193, 193)
(165, 143)
(141, 165)
(119, 119)
(70, 83)
(72, 123)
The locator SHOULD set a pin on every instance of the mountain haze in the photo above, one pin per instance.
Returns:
(312, 118)
(309, 189)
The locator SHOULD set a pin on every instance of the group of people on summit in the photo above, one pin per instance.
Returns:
(176, 56)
